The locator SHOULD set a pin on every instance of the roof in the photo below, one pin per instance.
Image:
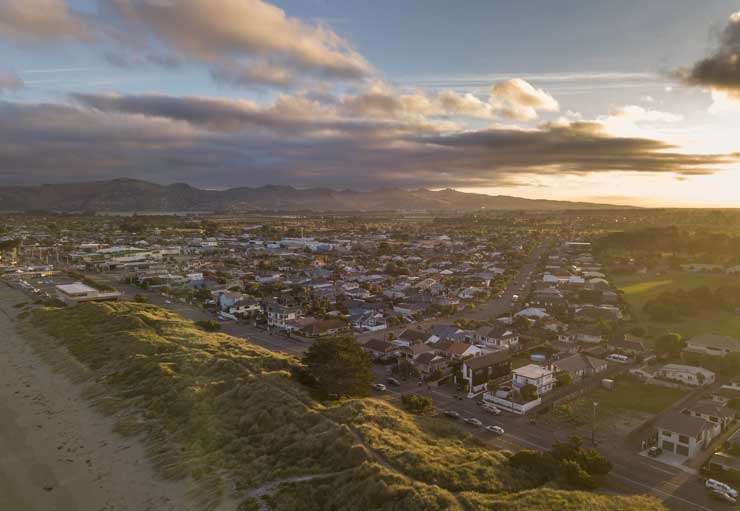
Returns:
(682, 424)
(494, 358)
(719, 342)
(77, 288)
(412, 335)
(458, 348)
(578, 362)
(532, 371)
(711, 408)
(726, 460)
(378, 345)
(426, 358)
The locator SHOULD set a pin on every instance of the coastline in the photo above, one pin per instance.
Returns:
(57, 453)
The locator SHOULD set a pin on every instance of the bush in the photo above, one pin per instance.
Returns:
(417, 404)
(208, 325)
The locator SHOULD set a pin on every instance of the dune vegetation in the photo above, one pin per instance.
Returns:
(231, 417)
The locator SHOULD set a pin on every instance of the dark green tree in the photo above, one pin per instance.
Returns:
(338, 367)
(669, 345)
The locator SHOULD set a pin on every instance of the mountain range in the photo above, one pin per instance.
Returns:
(138, 195)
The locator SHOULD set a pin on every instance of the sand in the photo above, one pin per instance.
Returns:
(56, 452)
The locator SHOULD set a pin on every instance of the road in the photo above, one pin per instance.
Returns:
(631, 473)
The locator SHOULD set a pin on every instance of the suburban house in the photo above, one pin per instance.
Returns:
(532, 374)
(497, 335)
(590, 335)
(279, 315)
(461, 350)
(324, 328)
(412, 336)
(682, 434)
(429, 362)
(478, 371)
(689, 375)
(380, 349)
(79, 292)
(716, 415)
(713, 344)
(628, 344)
(580, 366)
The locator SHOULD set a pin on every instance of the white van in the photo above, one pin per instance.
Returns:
(490, 408)
(715, 485)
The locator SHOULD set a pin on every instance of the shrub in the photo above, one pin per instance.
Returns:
(417, 404)
(208, 325)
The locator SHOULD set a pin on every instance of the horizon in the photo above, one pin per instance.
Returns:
(626, 104)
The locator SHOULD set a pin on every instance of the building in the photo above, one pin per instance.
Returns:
(79, 292)
(713, 344)
(478, 371)
(580, 366)
(689, 375)
(279, 315)
(532, 374)
(682, 434)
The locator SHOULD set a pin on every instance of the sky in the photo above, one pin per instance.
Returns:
(627, 102)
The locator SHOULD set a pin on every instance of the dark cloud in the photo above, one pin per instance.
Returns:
(721, 70)
(218, 142)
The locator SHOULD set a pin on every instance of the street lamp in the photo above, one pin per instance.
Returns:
(593, 424)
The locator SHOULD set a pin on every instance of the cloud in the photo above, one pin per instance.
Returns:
(304, 142)
(721, 70)
(519, 100)
(131, 60)
(243, 39)
(10, 81)
(635, 113)
(25, 21)
(259, 74)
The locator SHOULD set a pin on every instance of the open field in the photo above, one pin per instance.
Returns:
(621, 409)
(230, 416)
(638, 290)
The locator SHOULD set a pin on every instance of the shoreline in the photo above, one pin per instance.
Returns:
(57, 453)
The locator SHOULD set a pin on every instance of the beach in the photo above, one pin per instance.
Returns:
(57, 453)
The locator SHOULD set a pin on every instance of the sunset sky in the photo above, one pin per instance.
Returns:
(626, 101)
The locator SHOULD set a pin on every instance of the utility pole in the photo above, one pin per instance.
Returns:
(593, 424)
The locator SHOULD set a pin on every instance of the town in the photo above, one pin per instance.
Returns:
(521, 328)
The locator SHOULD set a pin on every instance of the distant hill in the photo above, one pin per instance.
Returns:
(137, 195)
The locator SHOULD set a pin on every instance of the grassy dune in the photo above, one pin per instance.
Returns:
(230, 416)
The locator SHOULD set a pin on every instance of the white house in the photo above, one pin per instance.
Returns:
(532, 374)
(689, 375)
(682, 434)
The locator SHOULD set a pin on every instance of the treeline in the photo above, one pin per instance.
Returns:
(682, 303)
(716, 246)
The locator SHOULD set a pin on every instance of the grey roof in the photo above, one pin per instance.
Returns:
(682, 424)
(488, 360)
(711, 408)
(715, 341)
(579, 362)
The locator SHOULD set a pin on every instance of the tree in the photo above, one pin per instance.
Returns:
(563, 379)
(338, 367)
(406, 369)
(417, 404)
(669, 345)
(528, 392)
(209, 325)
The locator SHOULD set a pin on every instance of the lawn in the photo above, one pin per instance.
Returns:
(638, 290)
(630, 399)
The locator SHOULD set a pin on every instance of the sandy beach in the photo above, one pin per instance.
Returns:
(56, 452)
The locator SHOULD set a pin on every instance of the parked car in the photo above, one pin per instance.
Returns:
(393, 381)
(473, 421)
(452, 414)
(714, 485)
(490, 408)
(498, 430)
(655, 451)
(379, 387)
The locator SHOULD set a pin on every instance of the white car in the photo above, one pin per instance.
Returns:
(723, 496)
(714, 485)
(487, 407)
(473, 421)
(379, 387)
(495, 429)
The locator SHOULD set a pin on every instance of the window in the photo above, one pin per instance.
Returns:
(666, 433)
(682, 450)
(683, 439)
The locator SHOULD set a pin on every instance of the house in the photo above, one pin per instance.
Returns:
(413, 336)
(712, 344)
(689, 375)
(532, 374)
(580, 366)
(461, 350)
(229, 299)
(278, 315)
(324, 328)
(429, 362)
(78, 292)
(682, 434)
(629, 344)
(588, 335)
(532, 312)
(477, 371)
(380, 349)
(717, 415)
(497, 335)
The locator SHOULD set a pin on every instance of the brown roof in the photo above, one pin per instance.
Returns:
(378, 345)
(457, 348)
(488, 360)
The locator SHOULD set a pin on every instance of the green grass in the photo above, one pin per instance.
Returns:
(225, 413)
(638, 290)
(630, 396)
